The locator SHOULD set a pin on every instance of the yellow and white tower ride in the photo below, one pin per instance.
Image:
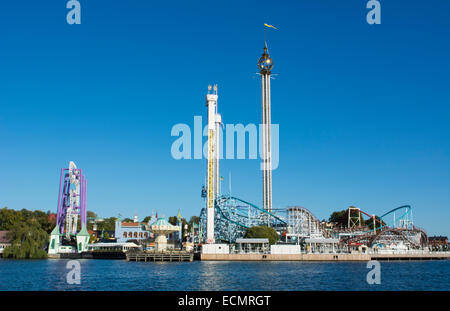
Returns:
(213, 157)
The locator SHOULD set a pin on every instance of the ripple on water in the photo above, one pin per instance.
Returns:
(121, 275)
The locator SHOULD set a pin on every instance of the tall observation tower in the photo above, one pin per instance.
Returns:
(265, 65)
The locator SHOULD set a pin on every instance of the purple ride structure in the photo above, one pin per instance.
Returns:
(70, 234)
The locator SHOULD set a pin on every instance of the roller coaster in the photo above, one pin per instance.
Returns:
(234, 215)
(387, 231)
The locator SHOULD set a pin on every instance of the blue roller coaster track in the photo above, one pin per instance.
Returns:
(233, 216)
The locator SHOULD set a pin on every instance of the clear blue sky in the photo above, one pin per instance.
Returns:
(363, 109)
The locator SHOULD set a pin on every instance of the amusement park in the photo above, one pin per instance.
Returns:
(208, 154)
(225, 221)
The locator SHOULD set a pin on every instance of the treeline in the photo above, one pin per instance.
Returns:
(28, 232)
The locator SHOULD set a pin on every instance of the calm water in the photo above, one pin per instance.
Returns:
(122, 275)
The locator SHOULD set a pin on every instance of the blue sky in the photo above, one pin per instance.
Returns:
(364, 110)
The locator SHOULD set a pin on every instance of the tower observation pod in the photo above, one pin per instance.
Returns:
(265, 65)
(213, 157)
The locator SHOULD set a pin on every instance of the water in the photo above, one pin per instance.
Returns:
(121, 275)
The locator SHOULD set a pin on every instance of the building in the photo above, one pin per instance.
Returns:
(4, 241)
(112, 247)
(52, 217)
(135, 230)
(162, 228)
(252, 246)
(438, 242)
(58, 245)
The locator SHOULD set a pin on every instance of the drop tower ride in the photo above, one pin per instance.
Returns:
(265, 65)
(213, 158)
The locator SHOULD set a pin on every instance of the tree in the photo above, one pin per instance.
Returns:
(8, 218)
(194, 220)
(262, 232)
(147, 219)
(340, 218)
(183, 230)
(28, 240)
(173, 220)
(43, 219)
(108, 224)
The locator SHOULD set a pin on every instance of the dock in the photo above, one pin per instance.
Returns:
(169, 256)
(418, 256)
(326, 257)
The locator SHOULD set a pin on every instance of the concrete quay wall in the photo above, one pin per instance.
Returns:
(323, 257)
(418, 256)
(285, 257)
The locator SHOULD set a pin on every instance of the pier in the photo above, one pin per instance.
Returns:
(160, 256)
(417, 256)
(326, 257)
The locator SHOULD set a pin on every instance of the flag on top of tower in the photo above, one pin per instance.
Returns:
(270, 26)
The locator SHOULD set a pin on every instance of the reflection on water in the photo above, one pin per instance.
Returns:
(216, 276)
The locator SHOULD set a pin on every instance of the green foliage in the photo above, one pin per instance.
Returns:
(340, 218)
(193, 220)
(262, 232)
(28, 240)
(8, 218)
(147, 219)
(108, 224)
(106, 235)
(173, 220)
